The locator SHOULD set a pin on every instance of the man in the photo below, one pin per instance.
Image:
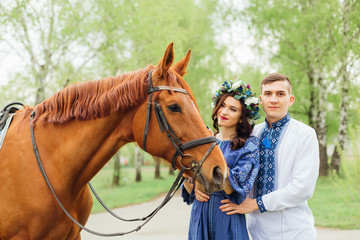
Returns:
(289, 167)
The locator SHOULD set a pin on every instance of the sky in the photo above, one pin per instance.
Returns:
(8, 64)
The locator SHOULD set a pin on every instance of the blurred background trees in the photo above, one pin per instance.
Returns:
(317, 44)
(47, 45)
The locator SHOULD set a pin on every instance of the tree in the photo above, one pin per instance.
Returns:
(171, 170)
(114, 36)
(304, 42)
(157, 161)
(117, 170)
(152, 25)
(139, 160)
(348, 54)
(42, 35)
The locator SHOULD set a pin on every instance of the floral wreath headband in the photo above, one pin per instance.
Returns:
(243, 92)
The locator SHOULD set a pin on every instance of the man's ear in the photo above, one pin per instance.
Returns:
(292, 100)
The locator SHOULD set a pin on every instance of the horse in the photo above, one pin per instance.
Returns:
(79, 129)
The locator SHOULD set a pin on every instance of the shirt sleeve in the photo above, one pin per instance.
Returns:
(243, 174)
(305, 171)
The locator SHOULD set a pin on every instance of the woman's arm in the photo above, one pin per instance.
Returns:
(189, 186)
(242, 175)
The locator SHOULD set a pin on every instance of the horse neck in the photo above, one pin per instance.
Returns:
(82, 148)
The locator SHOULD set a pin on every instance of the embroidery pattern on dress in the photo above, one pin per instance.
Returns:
(211, 205)
(247, 176)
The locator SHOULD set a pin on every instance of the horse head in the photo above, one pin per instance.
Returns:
(177, 105)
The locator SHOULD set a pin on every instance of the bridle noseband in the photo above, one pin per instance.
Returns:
(164, 125)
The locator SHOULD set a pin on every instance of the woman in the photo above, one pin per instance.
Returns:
(235, 112)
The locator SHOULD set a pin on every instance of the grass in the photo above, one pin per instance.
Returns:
(335, 205)
(130, 192)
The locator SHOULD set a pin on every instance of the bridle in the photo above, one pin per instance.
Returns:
(164, 125)
(179, 147)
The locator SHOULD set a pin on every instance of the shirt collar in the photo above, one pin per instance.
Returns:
(279, 123)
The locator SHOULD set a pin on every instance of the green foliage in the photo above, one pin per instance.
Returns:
(46, 36)
(71, 41)
(315, 43)
(300, 41)
(146, 28)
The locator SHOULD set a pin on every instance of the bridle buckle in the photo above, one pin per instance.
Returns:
(193, 165)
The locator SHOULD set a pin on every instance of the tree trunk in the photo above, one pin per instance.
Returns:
(342, 131)
(345, 85)
(321, 130)
(40, 92)
(317, 116)
(171, 170)
(139, 159)
(117, 168)
(314, 101)
(157, 167)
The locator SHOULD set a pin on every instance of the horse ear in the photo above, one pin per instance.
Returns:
(180, 67)
(166, 62)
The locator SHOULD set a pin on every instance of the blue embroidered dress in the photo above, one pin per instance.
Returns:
(207, 220)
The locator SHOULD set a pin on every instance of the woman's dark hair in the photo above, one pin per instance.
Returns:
(243, 129)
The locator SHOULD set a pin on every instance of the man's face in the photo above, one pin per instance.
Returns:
(276, 100)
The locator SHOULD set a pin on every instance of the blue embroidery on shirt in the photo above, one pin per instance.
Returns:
(260, 204)
(269, 138)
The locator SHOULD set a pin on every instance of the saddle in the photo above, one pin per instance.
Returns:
(6, 113)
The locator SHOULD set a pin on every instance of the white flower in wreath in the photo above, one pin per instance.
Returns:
(251, 100)
(212, 104)
(237, 84)
(251, 121)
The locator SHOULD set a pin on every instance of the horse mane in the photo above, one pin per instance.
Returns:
(99, 98)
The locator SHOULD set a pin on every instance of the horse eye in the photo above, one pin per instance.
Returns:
(174, 108)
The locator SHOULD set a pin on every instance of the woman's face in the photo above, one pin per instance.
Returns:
(229, 113)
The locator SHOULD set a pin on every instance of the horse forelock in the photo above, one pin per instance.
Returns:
(94, 99)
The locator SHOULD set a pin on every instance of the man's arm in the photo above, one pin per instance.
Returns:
(247, 206)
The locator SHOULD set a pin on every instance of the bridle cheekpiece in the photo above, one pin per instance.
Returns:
(164, 125)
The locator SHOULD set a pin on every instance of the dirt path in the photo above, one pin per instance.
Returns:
(170, 223)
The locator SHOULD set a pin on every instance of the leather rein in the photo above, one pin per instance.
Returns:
(179, 147)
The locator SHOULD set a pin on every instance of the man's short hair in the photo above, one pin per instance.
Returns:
(274, 77)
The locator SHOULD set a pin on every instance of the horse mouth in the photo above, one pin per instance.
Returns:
(215, 185)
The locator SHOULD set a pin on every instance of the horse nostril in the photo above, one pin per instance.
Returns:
(218, 175)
